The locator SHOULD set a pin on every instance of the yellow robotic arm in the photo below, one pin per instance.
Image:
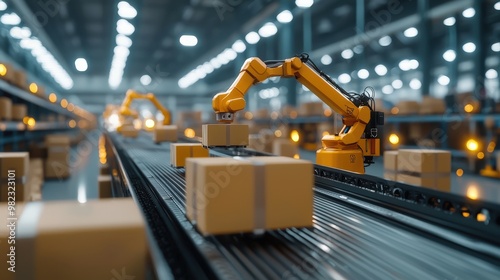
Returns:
(349, 149)
(131, 95)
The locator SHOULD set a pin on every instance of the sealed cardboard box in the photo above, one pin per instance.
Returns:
(231, 195)
(14, 161)
(424, 161)
(59, 153)
(180, 152)
(20, 79)
(57, 140)
(311, 109)
(432, 105)
(56, 169)
(285, 147)
(19, 111)
(5, 233)
(438, 181)
(165, 133)
(391, 160)
(129, 132)
(224, 135)
(104, 185)
(390, 175)
(5, 109)
(258, 142)
(92, 240)
(408, 107)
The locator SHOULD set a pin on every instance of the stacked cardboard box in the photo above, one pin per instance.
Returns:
(288, 111)
(224, 135)
(390, 165)
(104, 186)
(5, 109)
(180, 152)
(92, 239)
(20, 79)
(35, 179)
(232, 195)
(165, 133)
(19, 111)
(14, 169)
(408, 107)
(57, 163)
(311, 109)
(285, 147)
(129, 132)
(427, 168)
(431, 105)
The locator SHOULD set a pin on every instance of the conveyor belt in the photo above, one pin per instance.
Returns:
(347, 241)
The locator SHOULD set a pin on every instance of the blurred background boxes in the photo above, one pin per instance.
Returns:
(5, 109)
(14, 167)
(165, 133)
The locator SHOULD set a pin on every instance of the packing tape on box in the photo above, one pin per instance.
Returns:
(27, 230)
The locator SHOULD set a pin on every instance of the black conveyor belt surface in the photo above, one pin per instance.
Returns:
(346, 242)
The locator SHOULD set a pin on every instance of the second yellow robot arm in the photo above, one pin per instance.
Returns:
(131, 95)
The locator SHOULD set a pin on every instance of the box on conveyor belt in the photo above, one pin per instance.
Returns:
(5, 232)
(104, 186)
(224, 135)
(14, 170)
(129, 132)
(408, 107)
(232, 195)
(432, 105)
(20, 79)
(311, 109)
(57, 140)
(99, 239)
(260, 142)
(285, 147)
(390, 165)
(165, 133)
(181, 151)
(5, 109)
(438, 181)
(7, 72)
(424, 161)
(19, 111)
(56, 169)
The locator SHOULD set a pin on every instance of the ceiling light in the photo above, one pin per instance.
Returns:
(326, 59)
(344, 78)
(413, 64)
(122, 40)
(81, 64)
(20, 32)
(491, 74)
(268, 30)
(215, 63)
(208, 68)
(239, 46)
(387, 89)
(145, 80)
(363, 74)
(121, 51)
(449, 55)
(188, 40)
(397, 84)
(404, 65)
(468, 13)
(304, 4)
(358, 49)
(495, 47)
(3, 6)
(347, 54)
(10, 19)
(469, 47)
(497, 6)
(125, 10)
(252, 38)
(381, 70)
(443, 80)
(415, 84)
(30, 44)
(285, 17)
(449, 21)
(124, 27)
(229, 54)
(411, 32)
(385, 41)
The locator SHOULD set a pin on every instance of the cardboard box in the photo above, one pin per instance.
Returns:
(19, 111)
(5, 109)
(20, 79)
(438, 181)
(92, 240)
(431, 105)
(59, 153)
(165, 133)
(129, 132)
(57, 140)
(56, 169)
(259, 143)
(408, 107)
(7, 72)
(232, 195)
(311, 109)
(4, 239)
(22, 193)
(285, 147)
(424, 161)
(288, 111)
(390, 175)
(104, 185)
(390, 160)
(180, 152)
(17, 161)
(224, 135)
(261, 114)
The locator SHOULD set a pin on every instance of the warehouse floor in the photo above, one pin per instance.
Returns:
(82, 185)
